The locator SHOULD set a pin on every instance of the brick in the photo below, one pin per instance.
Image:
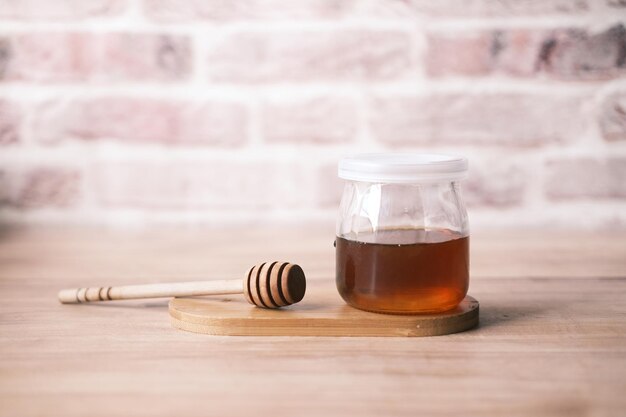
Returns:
(612, 117)
(484, 8)
(238, 185)
(459, 54)
(39, 187)
(481, 53)
(319, 120)
(348, 55)
(567, 54)
(214, 123)
(73, 57)
(618, 4)
(142, 121)
(64, 10)
(198, 10)
(494, 183)
(586, 178)
(515, 120)
(10, 119)
(581, 55)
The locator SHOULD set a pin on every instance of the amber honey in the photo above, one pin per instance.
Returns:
(403, 271)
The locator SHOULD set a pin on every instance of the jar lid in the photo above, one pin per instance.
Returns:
(402, 167)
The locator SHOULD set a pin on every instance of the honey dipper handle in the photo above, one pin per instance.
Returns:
(129, 292)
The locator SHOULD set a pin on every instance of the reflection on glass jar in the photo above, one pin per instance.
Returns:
(402, 233)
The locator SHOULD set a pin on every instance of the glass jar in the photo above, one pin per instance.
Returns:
(402, 233)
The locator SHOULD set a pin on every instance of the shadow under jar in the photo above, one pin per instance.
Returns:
(402, 233)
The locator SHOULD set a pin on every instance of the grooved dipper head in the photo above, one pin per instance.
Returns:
(274, 284)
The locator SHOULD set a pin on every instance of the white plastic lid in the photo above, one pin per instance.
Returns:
(402, 168)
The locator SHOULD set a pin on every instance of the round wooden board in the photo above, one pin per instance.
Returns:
(321, 313)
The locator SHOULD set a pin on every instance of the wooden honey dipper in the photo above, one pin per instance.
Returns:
(269, 285)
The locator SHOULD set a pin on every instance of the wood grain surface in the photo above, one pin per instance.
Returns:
(551, 339)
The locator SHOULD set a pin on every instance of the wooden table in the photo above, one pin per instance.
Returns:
(552, 337)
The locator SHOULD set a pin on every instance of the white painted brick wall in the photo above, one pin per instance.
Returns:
(209, 112)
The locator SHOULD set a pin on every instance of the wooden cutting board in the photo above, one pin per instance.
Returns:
(321, 313)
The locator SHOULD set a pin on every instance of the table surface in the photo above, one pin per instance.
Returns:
(551, 339)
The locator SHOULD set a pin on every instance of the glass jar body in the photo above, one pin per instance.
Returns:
(402, 248)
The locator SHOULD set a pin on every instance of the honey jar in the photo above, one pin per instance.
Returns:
(402, 236)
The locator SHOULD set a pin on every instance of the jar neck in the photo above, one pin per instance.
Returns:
(372, 207)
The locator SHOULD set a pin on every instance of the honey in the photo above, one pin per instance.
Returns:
(403, 271)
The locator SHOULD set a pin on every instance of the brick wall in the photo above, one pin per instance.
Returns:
(189, 111)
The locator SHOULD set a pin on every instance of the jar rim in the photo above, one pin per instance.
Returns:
(402, 167)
